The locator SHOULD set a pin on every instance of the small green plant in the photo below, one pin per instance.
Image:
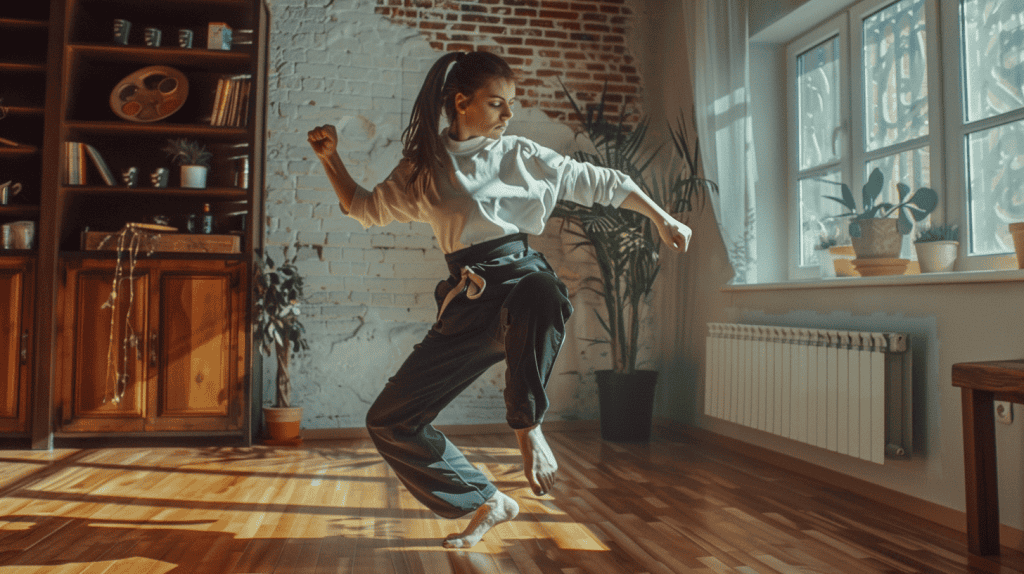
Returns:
(277, 293)
(939, 232)
(826, 243)
(187, 152)
(911, 207)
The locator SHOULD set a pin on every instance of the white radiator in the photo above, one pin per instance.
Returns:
(845, 391)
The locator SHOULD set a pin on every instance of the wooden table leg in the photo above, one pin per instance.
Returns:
(980, 472)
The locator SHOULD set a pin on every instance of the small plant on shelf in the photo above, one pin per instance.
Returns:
(194, 159)
(939, 232)
(187, 152)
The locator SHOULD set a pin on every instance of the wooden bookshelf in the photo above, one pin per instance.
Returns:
(59, 67)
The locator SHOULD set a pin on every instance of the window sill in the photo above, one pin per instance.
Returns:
(955, 278)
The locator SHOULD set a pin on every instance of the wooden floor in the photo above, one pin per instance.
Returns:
(669, 506)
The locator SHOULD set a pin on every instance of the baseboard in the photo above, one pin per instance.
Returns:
(450, 430)
(953, 519)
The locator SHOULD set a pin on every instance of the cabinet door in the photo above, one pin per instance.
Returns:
(105, 375)
(15, 338)
(197, 381)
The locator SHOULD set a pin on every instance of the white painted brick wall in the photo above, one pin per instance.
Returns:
(369, 292)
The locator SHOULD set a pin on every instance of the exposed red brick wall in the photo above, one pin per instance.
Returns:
(581, 43)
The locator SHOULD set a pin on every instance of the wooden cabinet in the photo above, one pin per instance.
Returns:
(16, 289)
(165, 354)
(176, 358)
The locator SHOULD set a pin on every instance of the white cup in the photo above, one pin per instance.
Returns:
(23, 234)
(6, 237)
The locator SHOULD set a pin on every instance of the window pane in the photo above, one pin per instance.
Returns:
(817, 215)
(912, 168)
(818, 99)
(993, 33)
(995, 180)
(895, 75)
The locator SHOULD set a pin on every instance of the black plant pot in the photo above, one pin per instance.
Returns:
(627, 403)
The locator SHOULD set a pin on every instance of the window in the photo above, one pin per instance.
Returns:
(872, 88)
(992, 126)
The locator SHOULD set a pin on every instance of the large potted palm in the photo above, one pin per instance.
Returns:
(277, 293)
(625, 247)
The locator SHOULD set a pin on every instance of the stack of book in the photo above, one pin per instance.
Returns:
(76, 166)
(231, 101)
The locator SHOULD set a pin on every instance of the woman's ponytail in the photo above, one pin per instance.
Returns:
(422, 146)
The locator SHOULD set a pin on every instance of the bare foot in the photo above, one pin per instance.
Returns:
(539, 464)
(498, 508)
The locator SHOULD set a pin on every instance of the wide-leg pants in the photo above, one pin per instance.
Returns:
(503, 301)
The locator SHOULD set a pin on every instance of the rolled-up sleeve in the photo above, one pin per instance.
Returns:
(389, 200)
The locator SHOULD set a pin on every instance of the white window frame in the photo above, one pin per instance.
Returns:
(957, 131)
(946, 129)
(837, 26)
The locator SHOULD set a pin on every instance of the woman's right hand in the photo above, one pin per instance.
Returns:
(323, 140)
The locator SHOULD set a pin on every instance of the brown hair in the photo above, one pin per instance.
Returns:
(469, 72)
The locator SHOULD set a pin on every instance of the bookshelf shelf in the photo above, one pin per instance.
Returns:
(87, 128)
(210, 193)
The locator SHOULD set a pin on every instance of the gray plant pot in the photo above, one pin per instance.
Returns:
(879, 238)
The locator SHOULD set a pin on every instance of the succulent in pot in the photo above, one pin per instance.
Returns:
(937, 247)
(193, 158)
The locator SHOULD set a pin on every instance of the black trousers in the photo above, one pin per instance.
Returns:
(502, 301)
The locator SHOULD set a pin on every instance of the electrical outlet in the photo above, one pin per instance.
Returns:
(1004, 412)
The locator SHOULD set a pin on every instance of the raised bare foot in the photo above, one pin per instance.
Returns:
(498, 508)
(539, 464)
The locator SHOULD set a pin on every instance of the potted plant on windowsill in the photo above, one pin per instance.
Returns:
(194, 160)
(625, 246)
(277, 293)
(937, 248)
(876, 236)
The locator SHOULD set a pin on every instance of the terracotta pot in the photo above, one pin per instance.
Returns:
(937, 256)
(878, 238)
(841, 259)
(1017, 230)
(284, 425)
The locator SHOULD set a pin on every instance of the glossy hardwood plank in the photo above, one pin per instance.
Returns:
(334, 507)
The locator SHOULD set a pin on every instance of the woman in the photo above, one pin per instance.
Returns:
(482, 193)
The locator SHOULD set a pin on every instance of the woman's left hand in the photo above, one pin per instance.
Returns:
(675, 234)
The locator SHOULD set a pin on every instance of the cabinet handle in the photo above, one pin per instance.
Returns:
(152, 349)
(24, 347)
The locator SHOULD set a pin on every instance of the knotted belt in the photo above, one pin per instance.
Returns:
(466, 265)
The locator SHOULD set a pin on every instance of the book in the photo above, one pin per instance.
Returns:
(97, 160)
(74, 159)
(217, 101)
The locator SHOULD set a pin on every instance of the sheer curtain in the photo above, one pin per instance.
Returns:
(719, 55)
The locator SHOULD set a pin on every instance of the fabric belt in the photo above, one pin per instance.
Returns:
(462, 264)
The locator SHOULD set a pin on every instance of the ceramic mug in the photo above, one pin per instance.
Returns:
(8, 190)
(23, 234)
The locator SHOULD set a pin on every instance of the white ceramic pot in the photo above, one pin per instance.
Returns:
(937, 256)
(193, 176)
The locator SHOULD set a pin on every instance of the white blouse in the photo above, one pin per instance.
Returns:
(498, 187)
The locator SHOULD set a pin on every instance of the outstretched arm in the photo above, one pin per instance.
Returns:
(673, 233)
(324, 141)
